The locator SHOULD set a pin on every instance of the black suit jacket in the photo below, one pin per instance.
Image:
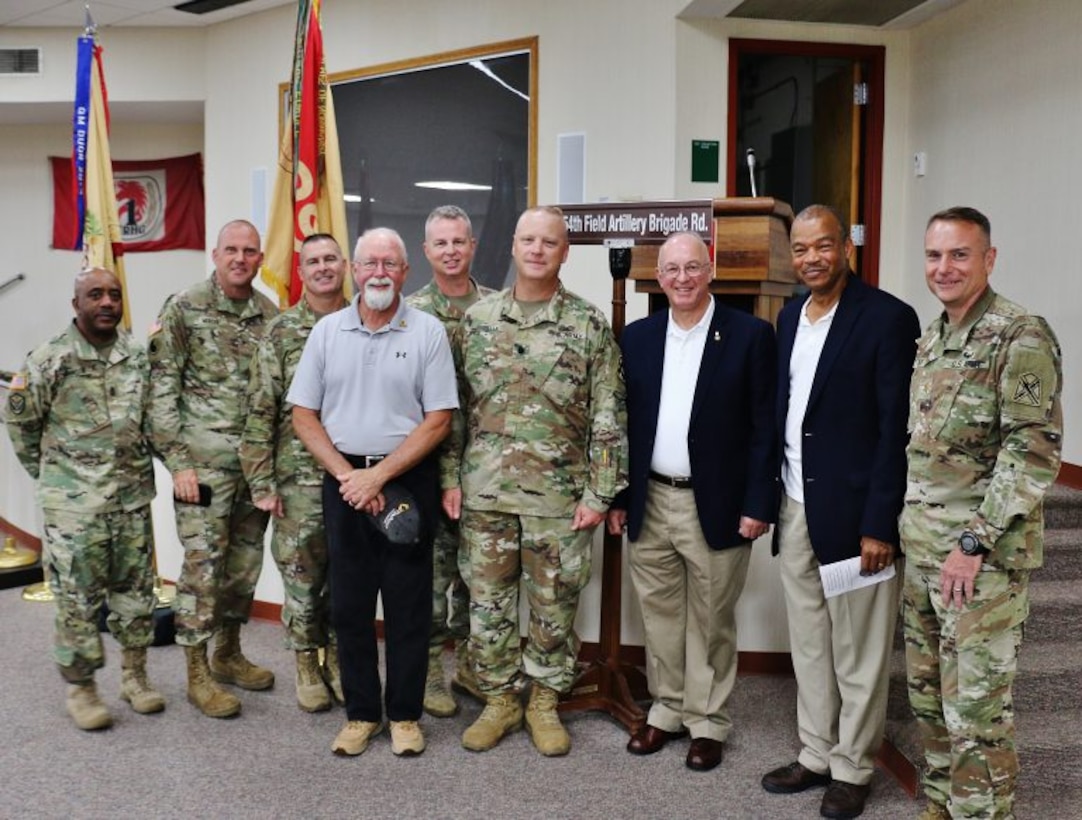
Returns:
(730, 435)
(854, 431)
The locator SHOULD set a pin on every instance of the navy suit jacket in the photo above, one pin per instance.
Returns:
(855, 427)
(731, 437)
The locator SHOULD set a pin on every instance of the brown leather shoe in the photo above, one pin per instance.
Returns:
(704, 754)
(843, 800)
(650, 739)
(792, 779)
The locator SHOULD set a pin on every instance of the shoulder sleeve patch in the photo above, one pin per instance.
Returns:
(16, 403)
(1030, 385)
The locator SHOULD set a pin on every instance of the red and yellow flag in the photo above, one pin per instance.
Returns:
(96, 208)
(308, 188)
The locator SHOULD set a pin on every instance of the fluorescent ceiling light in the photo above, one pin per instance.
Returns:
(453, 186)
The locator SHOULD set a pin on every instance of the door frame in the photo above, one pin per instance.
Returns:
(872, 183)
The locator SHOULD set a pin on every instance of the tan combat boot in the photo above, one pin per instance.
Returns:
(464, 680)
(134, 686)
(86, 708)
(543, 722)
(934, 811)
(203, 692)
(502, 715)
(228, 665)
(331, 673)
(312, 694)
(438, 701)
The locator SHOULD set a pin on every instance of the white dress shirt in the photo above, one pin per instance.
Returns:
(807, 348)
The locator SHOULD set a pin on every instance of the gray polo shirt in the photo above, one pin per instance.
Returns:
(372, 389)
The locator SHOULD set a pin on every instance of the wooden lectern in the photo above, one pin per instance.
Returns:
(753, 272)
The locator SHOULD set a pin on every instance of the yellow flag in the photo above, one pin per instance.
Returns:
(102, 246)
(308, 188)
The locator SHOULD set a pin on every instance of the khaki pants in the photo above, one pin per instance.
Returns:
(688, 594)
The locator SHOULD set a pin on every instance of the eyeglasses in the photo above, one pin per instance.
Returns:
(692, 270)
(389, 265)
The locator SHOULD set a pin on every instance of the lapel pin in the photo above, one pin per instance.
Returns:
(717, 335)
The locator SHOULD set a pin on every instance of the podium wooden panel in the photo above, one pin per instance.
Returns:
(752, 265)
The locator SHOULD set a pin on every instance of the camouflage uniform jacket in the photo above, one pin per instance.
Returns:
(270, 452)
(545, 407)
(201, 351)
(985, 426)
(431, 300)
(77, 422)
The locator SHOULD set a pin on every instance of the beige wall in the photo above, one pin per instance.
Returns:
(987, 90)
(996, 106)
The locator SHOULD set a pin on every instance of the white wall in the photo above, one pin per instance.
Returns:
(996, 106)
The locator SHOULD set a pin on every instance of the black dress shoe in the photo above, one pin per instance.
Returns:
(792, 779)
(843, 800)
(650, 739)
(704, 754)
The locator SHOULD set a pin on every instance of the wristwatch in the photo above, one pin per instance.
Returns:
(970, 544)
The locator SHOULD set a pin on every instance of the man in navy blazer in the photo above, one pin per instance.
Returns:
(845, 356)
(700, 399)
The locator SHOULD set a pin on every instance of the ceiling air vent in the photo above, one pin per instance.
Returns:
(20, 61)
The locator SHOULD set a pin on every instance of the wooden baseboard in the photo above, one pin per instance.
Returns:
(1070, 475)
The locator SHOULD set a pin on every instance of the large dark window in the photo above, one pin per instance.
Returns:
(456, 128)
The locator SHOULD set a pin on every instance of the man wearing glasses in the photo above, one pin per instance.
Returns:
(700, 396)
(372, 398)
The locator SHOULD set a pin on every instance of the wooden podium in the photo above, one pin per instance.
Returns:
(753, 272)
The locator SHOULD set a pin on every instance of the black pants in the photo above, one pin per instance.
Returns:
(364, 564)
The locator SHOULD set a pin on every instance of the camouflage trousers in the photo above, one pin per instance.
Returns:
(223, 555)
(450, 595)
(96, 559)
(299, 547)
(960, 666)
(554, 562)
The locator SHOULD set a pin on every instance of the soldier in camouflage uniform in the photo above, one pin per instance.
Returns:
(545, 454)
(449, 246)
(201, 349)
(287, 482)
(985, 434)
(76, 419)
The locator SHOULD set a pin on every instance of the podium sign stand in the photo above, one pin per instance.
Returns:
(749, 238)
(753, 270)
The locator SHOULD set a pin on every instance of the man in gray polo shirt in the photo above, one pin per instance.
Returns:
(372, 398)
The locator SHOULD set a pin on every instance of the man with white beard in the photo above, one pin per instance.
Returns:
(372, 397)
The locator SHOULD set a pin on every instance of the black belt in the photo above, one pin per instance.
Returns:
(363, 461)
(676, 482)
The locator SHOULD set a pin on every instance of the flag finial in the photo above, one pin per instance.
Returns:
(91, 28)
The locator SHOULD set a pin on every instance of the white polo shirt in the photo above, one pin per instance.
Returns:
(807, 348)
(372, 389)
(680, 374)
